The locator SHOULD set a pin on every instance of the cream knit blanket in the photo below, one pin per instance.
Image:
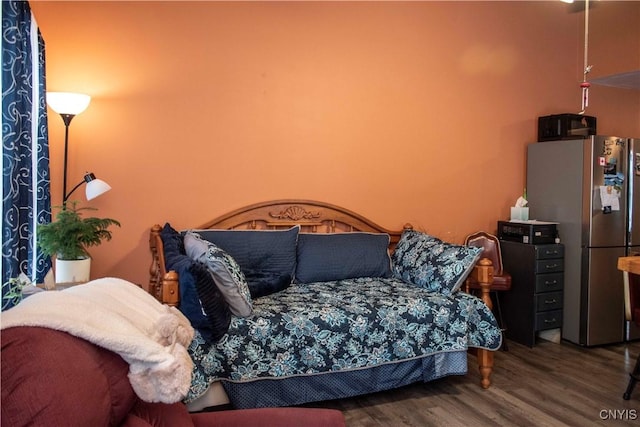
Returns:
(121, 317)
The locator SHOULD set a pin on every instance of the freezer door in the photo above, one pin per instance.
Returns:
(634, 192)
(602, 297)
(608, 223)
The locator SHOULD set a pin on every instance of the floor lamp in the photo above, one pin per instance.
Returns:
(69, 105)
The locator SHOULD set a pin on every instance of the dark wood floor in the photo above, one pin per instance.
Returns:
(547, 385)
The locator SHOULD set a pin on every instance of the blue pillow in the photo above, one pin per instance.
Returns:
(206, 310)
(263, 283)
(326, 257)
(171, 242)
(430, 263)
(212, 303)
(271, 251)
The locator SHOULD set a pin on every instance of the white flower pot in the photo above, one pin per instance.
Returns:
(73, 271)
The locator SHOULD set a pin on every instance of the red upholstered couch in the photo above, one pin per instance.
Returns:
(50, 378)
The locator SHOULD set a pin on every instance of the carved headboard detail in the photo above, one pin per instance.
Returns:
(295, 213)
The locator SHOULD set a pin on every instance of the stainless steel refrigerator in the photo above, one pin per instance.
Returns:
(591, 187)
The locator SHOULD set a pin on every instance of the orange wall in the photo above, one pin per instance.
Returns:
(404, 112)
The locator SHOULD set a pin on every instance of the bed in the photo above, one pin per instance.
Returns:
(314, 340)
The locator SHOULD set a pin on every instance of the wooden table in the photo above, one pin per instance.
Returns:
(628, 265)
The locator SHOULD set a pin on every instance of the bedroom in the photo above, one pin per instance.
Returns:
(406, 112)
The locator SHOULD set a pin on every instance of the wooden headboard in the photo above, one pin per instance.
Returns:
(312, 216)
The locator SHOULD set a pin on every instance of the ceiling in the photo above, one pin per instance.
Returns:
(628, 80)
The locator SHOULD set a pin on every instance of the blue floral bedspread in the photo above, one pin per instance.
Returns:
(315, 328)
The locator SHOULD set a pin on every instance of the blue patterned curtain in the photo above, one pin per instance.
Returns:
(26, 198)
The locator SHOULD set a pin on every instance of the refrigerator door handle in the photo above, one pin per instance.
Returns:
(633, 187)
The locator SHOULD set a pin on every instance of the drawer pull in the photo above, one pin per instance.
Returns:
(550, 320)
(551, 253)
(551, 266)
(553, 282)
(550, 301)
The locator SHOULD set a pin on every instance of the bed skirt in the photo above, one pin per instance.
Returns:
(336, 385)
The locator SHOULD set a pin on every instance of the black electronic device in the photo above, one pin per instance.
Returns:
(565, 126)
(531, 232)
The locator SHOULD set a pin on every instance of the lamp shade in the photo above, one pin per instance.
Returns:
(67, 102)
(95, 186)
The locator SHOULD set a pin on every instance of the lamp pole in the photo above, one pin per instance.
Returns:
(66, 118)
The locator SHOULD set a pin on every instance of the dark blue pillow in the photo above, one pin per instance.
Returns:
(269, 251)
(263, 283)
(325, 257)
(213, 303)
(209, 314)
(172, 242)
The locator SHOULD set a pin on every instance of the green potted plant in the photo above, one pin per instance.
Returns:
(12, 292)
(68, 238)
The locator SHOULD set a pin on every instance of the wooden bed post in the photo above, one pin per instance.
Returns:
(163, 285)
(483, 273)
(156, 266)
(170, 293)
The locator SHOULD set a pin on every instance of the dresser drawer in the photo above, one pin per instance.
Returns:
(549, 301)
(549, 265)
(549, 282)
(549, 251)
(548, 320)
